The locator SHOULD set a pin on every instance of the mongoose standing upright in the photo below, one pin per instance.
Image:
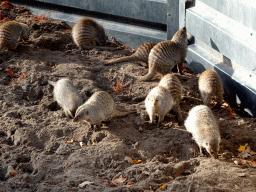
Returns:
(87, 32)
(158, 102)
(173, 85)
(10, 34)
(140, 55)
(67, 96)
(167, 54)
(210, 85)
(99, 107)
(204, 128)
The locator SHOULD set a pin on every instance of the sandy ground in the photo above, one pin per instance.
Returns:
(34, 133)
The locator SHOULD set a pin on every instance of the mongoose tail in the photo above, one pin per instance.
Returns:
(121, 114)
(122, 59)
(141, 54)
(151, 73)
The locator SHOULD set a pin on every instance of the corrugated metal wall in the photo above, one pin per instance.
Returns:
(224, 33)
(225, 40)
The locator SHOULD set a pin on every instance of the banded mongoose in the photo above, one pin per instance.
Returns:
(10, 34)
(173, 85)
(140, 55)
(167, 54)
(67, 96)
(99, 107)
(210, 85)
(158, 102)
(204, 128)
(88, 32)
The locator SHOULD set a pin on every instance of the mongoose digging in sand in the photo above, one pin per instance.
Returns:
(67, 96)
(202, 124)
(87, 32)
(10, 34)
(210, 85)
(140, 55)
(167, 54)
(173, 85)
(158, 102)
(99, 107)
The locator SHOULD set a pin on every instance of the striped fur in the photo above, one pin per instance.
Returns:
(10, 34)
(99, 107)
(67, 96)
(158, 102)
(87, 32)
(167, 54)
(173, 85)
(140, 55)
(202, 124)
(210, 85)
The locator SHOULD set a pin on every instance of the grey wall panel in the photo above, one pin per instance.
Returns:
(243, 11)
(230, 38)
(172, 18)
(151, 11)
(236, 84)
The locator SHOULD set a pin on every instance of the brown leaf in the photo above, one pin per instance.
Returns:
(13, 172)
(245, 154)
(10, 71)
(113, 183)
(129, 183)
(118, 88)
(253, 164)
(121, 179)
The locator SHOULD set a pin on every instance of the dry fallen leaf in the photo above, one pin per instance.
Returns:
(161, 187)
(13, 172)
(129, 159)
(136, 161)
(130, 183)
(9, 71)
(71, 141)
(237, 187)
(246, 153)
(240, 162)
(93, 143)
(253, 164)
(241, 148)
(121, 179)
(114, 183)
